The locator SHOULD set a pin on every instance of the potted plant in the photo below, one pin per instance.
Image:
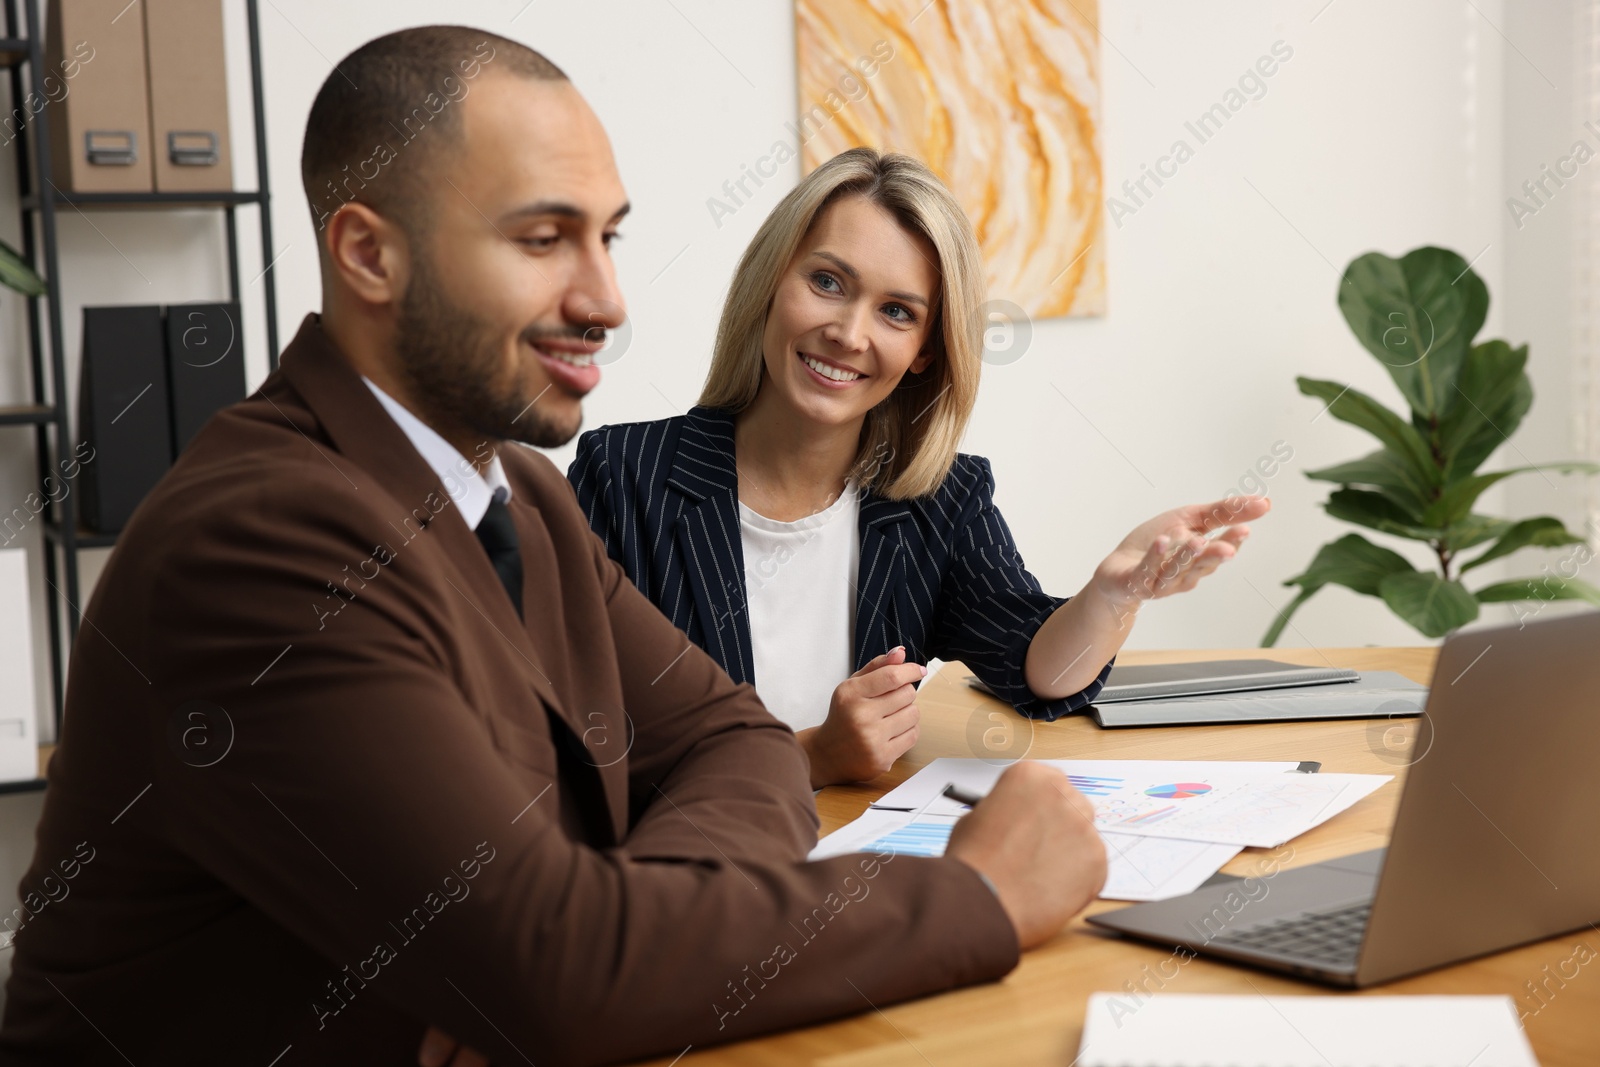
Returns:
(1419, 315)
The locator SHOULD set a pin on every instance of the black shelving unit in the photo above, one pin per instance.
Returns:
(40, 201)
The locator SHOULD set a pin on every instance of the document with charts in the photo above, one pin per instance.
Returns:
(1223, 803)
(1137, 868)
(1261, 811)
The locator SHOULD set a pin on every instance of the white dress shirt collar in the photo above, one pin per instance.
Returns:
(470, 490)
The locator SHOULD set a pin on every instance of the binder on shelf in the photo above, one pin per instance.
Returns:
(100, 127)
(122, 412)
(189, 146)
(205, 365)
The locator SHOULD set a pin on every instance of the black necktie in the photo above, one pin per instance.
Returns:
(498, 535)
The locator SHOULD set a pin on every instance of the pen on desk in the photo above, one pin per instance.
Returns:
(962, 796)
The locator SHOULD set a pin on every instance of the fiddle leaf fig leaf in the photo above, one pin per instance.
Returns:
(1378, 512)
(1418, 315)
(1491, 396)
(1458, 497)
(1360, 410)
(1431, 604)
(1385, 471)
(1473, 530)
(1542, 532)
(1353, 562)
(1545, 587)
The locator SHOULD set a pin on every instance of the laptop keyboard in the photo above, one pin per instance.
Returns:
(1329, 937)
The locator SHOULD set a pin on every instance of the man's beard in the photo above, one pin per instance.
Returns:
(451, 359)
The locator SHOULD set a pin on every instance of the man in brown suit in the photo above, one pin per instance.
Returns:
(335, 769)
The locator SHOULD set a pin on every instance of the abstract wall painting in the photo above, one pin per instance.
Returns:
(1001, 98)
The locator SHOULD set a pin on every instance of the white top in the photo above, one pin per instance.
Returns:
(470, 490)
(800, 586)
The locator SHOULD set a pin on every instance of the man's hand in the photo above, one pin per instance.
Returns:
(872, 721)
(1034, 837)
(1171, 552)
(439, 1049)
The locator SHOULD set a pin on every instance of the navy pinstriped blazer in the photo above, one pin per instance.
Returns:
(939, 574)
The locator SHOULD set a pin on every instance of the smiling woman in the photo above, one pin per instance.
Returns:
(811, 524)
(870, 258)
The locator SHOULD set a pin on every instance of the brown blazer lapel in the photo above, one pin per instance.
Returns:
(370, 446)
(597, 736)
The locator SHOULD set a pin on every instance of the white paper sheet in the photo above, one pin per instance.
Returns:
(1158, 868)
(1170, 1029)
(1138, 868)
(979, 776)
(1232, 803)
(1261, 812)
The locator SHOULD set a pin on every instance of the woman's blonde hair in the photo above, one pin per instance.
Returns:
(909, 440)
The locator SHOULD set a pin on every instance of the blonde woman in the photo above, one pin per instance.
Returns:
(811, 525)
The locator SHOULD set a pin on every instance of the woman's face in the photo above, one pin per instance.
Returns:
(851, 315)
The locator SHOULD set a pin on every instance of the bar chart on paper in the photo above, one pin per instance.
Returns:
(1139, 868)
(1095, 786)
(920, 838)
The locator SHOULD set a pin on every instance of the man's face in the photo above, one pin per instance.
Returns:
(512, 289)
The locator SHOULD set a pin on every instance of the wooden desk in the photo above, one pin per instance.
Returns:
(1035, 1015)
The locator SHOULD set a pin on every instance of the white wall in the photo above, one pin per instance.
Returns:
(1383, 131)
(1540, 295)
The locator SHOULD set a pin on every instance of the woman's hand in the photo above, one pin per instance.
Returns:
(872, 721)
(1171, 552)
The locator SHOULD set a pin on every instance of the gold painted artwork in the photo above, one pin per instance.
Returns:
(1001, 98)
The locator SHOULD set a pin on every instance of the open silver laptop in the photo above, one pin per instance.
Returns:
(1493, 844)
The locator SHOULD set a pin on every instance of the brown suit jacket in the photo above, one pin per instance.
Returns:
(319, 786)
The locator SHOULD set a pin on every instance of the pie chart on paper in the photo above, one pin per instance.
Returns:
(1178, 790)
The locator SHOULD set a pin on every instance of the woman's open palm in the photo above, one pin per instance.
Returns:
(1172, 552)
